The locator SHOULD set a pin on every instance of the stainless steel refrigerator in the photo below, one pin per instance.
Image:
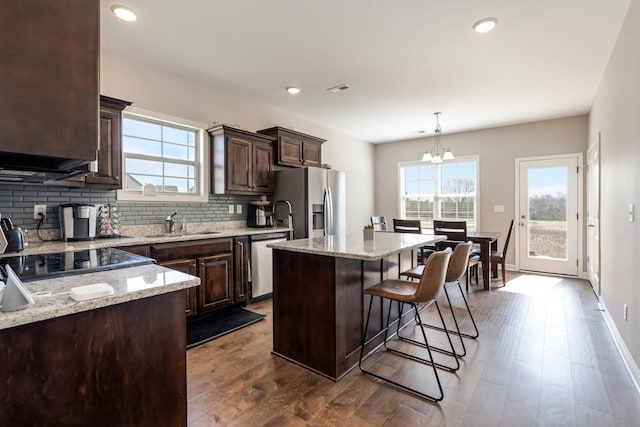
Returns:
(317, 198)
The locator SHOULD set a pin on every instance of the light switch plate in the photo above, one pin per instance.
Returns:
(239, 209)
(498, 208)
(230, 209)
(631, 212)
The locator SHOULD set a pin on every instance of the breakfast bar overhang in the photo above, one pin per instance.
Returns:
(318, 304)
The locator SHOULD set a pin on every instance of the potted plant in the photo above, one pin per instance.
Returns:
(368, 232)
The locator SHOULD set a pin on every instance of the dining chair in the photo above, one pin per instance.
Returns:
(456, 231)
(472, 269)
(458, 266)
(413, 226)
(379, 223)
(407, 226)
(500, 257)
(406, 292)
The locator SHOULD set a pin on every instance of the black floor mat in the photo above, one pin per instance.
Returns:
(219, 323)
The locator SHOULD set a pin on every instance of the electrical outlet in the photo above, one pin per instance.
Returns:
(39, 209)
(239, 209)
(230, 209)
(626, 311)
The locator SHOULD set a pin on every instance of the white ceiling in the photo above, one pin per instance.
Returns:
(402, 59)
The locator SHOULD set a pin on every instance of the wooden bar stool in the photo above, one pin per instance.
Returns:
(413, 293)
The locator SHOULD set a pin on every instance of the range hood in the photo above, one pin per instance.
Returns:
(20, 168)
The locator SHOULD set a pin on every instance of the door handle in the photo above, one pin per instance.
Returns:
(590, 225)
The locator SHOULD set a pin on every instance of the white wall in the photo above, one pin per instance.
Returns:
(159, 91)
(616, 116)
(497, 149)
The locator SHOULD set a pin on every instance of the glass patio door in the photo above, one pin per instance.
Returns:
(548, 215)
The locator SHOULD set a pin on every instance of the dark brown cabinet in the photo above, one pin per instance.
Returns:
(49, 82)
(216, 287)
(294, 148)
(108, 173)
(241, 161)
(241, 269)
(221, 264)
(187, 266)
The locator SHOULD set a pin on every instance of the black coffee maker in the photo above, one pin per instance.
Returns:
(260, 214)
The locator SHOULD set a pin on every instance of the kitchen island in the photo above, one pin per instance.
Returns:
(113, 360)
(318, 304)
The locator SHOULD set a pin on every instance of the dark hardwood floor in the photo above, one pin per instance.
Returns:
(544, 357)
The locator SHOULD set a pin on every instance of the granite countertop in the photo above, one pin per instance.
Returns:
(52, 295)
(138, 236)
(355, 247)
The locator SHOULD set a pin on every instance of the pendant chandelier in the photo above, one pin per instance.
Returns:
(437, 153)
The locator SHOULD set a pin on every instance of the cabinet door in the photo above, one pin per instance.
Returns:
(262, 167)
(241, 269)
(216, 281)
(187, 266)
(239, 171)
(290, 150)
(311, 154)
(109, 164)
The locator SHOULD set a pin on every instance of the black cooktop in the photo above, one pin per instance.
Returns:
(41, 266)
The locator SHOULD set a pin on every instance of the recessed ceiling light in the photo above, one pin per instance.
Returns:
(123, 13)
(293, 90)
(485, 25)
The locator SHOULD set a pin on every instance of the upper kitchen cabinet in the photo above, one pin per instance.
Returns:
(107, 174)
(241, 161)
(49, 86)
(294, 148)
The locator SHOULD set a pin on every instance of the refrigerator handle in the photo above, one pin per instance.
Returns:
(330, 212)
(325, 203)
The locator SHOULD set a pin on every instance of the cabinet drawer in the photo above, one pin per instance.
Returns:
(190, 249)
(136, 249)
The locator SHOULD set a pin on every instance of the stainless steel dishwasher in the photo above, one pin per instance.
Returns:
(262, 264)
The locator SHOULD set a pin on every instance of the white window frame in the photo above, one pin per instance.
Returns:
(202, 156)
(437, 199)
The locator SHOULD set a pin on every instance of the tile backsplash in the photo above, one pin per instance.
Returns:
(17, 201)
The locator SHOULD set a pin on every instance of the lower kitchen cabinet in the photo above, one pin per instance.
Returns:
(221, 264)
(241, 269)
(216, 286)
(187, 266)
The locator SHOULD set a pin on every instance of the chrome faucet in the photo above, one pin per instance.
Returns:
(289, 221)
(171, 223)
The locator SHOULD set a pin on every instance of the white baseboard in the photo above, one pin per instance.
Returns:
(629, 363)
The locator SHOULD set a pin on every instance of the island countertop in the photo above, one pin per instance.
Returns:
(353, 245)
(52, 295)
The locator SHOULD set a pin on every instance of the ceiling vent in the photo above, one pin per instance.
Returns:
(338, 88)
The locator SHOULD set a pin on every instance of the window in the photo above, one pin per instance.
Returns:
(162, 160)
(439, 191)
